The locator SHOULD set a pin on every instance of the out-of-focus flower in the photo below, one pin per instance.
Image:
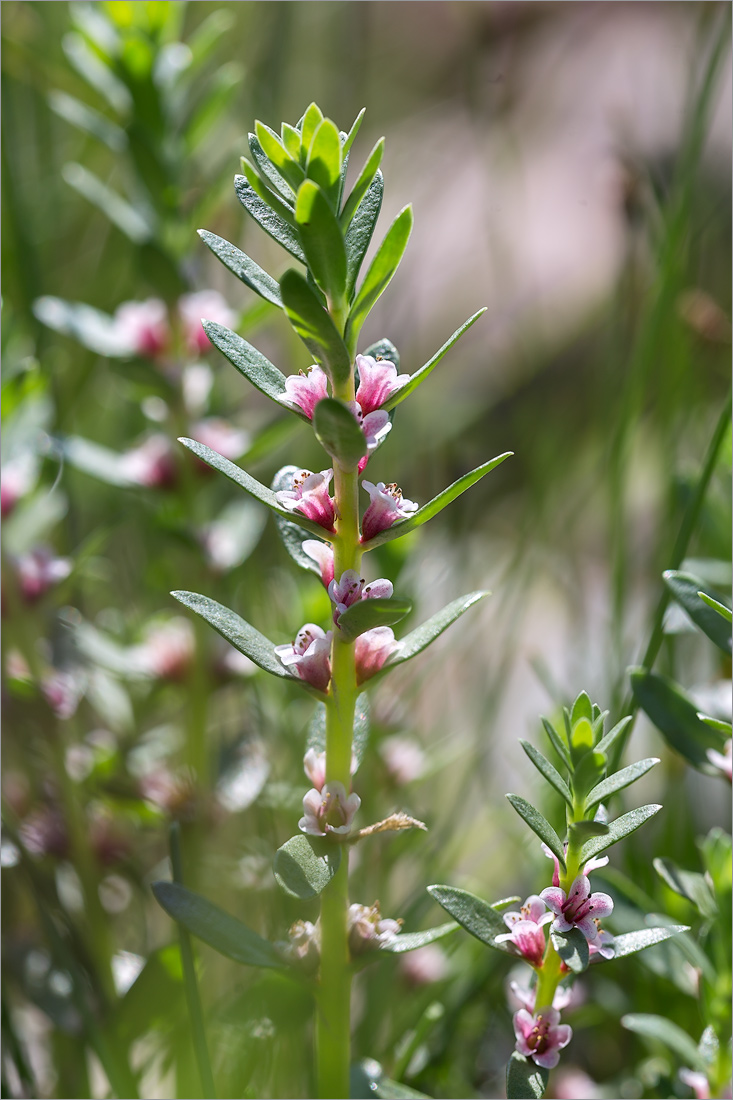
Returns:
(368, 929)
(696, 1081)
(309, 495)
(604, 945)
(386, 505)
(18, 478)
(62, 690)
(44, 833)
(372, 649)
(350, 588)
(578, 908)
(404, 758)
(314, 766)
(39, 570)
(723, 761)
(151, 464)
(527, 930)
(309, 655)
(571, 1083)
(220, 436)
(107, 840)
(423, 967)
(541, 1036)
(175, 793)
(142, 327)
(703, 314)
(378, 380)
(305, 390)
(208, 305)
(168, 648)
(328, 810)
(304, 944)
(322, 554)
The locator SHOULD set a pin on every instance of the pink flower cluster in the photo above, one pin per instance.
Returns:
(143, 328)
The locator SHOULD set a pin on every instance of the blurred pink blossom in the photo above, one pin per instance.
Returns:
(151, 464)
(38, 570)
(404, 758)
(423, 967)
(208, 305)
(142, 327)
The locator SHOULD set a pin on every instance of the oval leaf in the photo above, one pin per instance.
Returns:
(686, 589)
(322, 240)
(539, 825)
(675, 716)
(421, 374)
(338, 432)
(622, 827)
(314, 326)
(619, 780)
(305, 865)
(366, 614)
(525, 1080)
(249, 272)
(572, 947)
(218, 929)
(472, 913)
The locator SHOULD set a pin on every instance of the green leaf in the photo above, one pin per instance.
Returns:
(128, 219)
(581, 708)
(525, 1080)
(292, 140)
(662, 1030)
(622, 827)
(379, 275)
(421, 374)
(250, 362)
(250, 273)
(472, 913)
(545, 768)
(312, 119)
(411, 941)
(687, 590)
(269, 173)
(315, 327)
(360, 231)
(675, 716)
(720, 608)
(581, 738)
(689, 884)
(630, 942)
(588, 770)
(718, 724)
(250, 485)
(275, 226)
(384, 349)
(305, 865)
(90, 121)
(316, 738)
(238, 632)
(387, 1089)
(211, 924)
(366, 614)
(339, 433)
(322, 240)
(572, 947)
(557, 743)
(349, 139)
(619, 780)
(605, 742)
(580, 831)
(275, 152)
(362, 185)
(437, 504)
(420, 638)
(539, 825)
(324, 159)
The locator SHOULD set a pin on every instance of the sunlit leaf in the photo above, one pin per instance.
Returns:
(472, 913)
(619, 780)
(322, 240)
(628, 943)
(622, 827)
(250, 273)
(545, 768)
(367, 614)
(421, 374)
(539, 825)
(277, 228)
(314, 326)
(360, 231)
(362, 184)
(411, 941)
(380, 272)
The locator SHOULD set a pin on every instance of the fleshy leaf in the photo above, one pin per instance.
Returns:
(338, 432)
(322, 240)
(525, 1080)
(572, 947)
(317, 729)
(324, 158)
(622, 827)
(359, 233)
(366, 614)
(249, 272)
(278, 155)
(688, 884)
(421, 374)
(218, 929)
(422, 515)
(250, 362)
(275, 226)
(381, 270)
(557, 742)
(675, 716)
(420, 638)
(539, 825)
(362, 184)
(310, 122)
(472, 913)
(665, 1031)
(686, 589)
(411, 941)
(628, 943)
(619, 780)
(305, 865)
(545, 768)
(255, 488)
(268, 171)
(314, 326)
(605, 742)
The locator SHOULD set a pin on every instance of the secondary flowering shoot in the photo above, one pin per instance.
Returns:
(309, 655)
(309, 496)
(578, 908)
(541, 1036)
(386, 506)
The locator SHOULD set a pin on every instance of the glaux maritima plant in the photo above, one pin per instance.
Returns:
(293, 187)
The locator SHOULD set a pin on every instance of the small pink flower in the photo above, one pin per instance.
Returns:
(44, 833)
(527, 930)
(372, 649)
(375, 425)
(328, 810)
(696, 1081)
(309, 655)
(352, 588)
(423, 967)
(322, 554)
(386, 505)
(314, 766)
(168, 649)
(18, 478)
(38, 571)
(573, 1084)
(304, 391)
(151, 463)
(142, 327)
(220, 436)
(541, 1036)
(62, 691)
(578, 908)
(368, 929)
(208, 304)
(304, 944)
(591, 865)
(404, 758)
(723, 761)
(378, 380)
(526, 996)
(309, 495)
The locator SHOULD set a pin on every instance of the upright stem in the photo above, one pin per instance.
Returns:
(333, 1025)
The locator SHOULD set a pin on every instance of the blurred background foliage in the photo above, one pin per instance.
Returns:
(569, 166)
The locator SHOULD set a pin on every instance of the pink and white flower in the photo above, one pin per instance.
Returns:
(386, 505)
(352, 588)
(329, 810)
(142, 327)
(314, 766)
(151, 463)
(304, 390)
(168, 649)
(309, 496)
(696, 1081)
(39, 570)
(63, 689)
(604, 945)
(541, 1036)
(372, 649)
(578, 908)
(309, 655)
(18, 478)
(368, 929)
(220, 436)
(527, 930)
(208, 304)
(322, 554)
(378, 380)
(404, 758)
(375, 426)
(304, 944)
(423, 967)
(723, 761)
